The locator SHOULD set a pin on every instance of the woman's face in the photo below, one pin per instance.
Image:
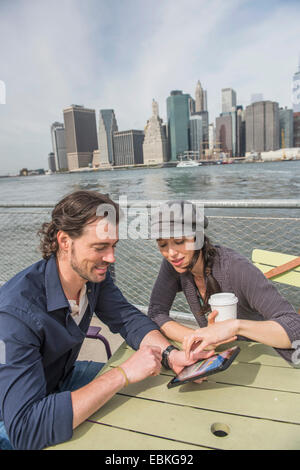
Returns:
(177, 251)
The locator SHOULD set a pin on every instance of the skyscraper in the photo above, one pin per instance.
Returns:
(296, 132)
(192, 105)
(81, 136)
(107, 126)
(51, 162)
(296, 90)
(155, 146)
(198, 129)
(286, 133)
(262, 126)
(128, 147)
(178, 123)
(228, 100)
(240, 132)
(211, 136)
(59, 146)
(200, 98)
(224, 133)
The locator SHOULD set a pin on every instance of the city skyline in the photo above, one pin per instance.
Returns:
(130, 53)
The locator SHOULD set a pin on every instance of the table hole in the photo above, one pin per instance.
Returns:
(220, 429)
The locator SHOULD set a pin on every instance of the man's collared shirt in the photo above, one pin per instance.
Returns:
(42, 342)
(78, 310)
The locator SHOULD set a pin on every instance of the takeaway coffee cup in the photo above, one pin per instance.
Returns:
(225, 303)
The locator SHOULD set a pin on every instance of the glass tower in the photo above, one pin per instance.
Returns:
(286, 134)
(178, 123)
(59, 146)
(199, 131)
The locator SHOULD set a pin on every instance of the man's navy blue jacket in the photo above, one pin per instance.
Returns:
(40, 342)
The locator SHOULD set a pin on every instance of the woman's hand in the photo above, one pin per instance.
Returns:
(212, 335)
(212, 317)
(210, 321)
(178, 359)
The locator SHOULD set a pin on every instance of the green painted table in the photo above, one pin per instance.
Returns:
(255, 404)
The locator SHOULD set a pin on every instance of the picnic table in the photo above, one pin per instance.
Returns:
(255, 404)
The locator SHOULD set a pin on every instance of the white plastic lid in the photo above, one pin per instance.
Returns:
(223, 298)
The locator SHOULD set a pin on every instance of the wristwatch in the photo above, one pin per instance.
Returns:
(165, 356)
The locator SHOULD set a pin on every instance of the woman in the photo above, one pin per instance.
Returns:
(263, 314)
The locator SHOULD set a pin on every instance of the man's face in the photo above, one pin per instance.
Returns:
(91, 254)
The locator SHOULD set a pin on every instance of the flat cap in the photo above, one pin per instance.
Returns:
(178, 218)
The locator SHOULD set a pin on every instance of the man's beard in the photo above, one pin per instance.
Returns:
(83, 273)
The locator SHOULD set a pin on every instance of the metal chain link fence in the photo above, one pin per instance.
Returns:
(138, 261)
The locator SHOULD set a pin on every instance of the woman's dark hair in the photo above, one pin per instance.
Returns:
(209, 253)
(71, 215)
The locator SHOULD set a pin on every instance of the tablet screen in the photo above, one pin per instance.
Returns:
(205, 366)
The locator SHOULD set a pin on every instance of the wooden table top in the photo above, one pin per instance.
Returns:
(255, 404)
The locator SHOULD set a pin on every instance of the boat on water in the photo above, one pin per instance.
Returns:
(187, 163)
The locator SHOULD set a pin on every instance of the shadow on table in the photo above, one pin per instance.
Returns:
(250, 351)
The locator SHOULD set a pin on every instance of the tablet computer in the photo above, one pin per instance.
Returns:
(205, 367)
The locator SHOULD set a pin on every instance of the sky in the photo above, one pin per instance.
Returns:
(121, 54)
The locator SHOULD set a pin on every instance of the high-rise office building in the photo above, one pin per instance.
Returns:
(198, 131)
(192, 105)
(228, 100)
(286, 131)
(178, 123)
(296, 90)
(211, 136)
(262, 126)
(107, 126)
(128, 147)
(224, 133)
(230, 132)
(205, 100)
(51, 162)
(155, 145)
(59, 146)
(296, 119)
(200, 98)
(240, 132)
(81, 136)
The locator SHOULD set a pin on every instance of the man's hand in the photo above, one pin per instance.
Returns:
(144, 362)
(88, 399)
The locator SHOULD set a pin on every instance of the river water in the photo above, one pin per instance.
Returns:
(275, 180)
(138, 261)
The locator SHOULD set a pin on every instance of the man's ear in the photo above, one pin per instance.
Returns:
(63, 240)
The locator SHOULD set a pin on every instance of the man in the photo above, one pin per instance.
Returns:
(45, 312)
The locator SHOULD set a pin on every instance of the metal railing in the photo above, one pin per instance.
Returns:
(241, 225)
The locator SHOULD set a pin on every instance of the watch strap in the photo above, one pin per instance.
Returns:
(165, 355)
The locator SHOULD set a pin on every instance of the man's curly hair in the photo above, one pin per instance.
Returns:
(71, 215)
